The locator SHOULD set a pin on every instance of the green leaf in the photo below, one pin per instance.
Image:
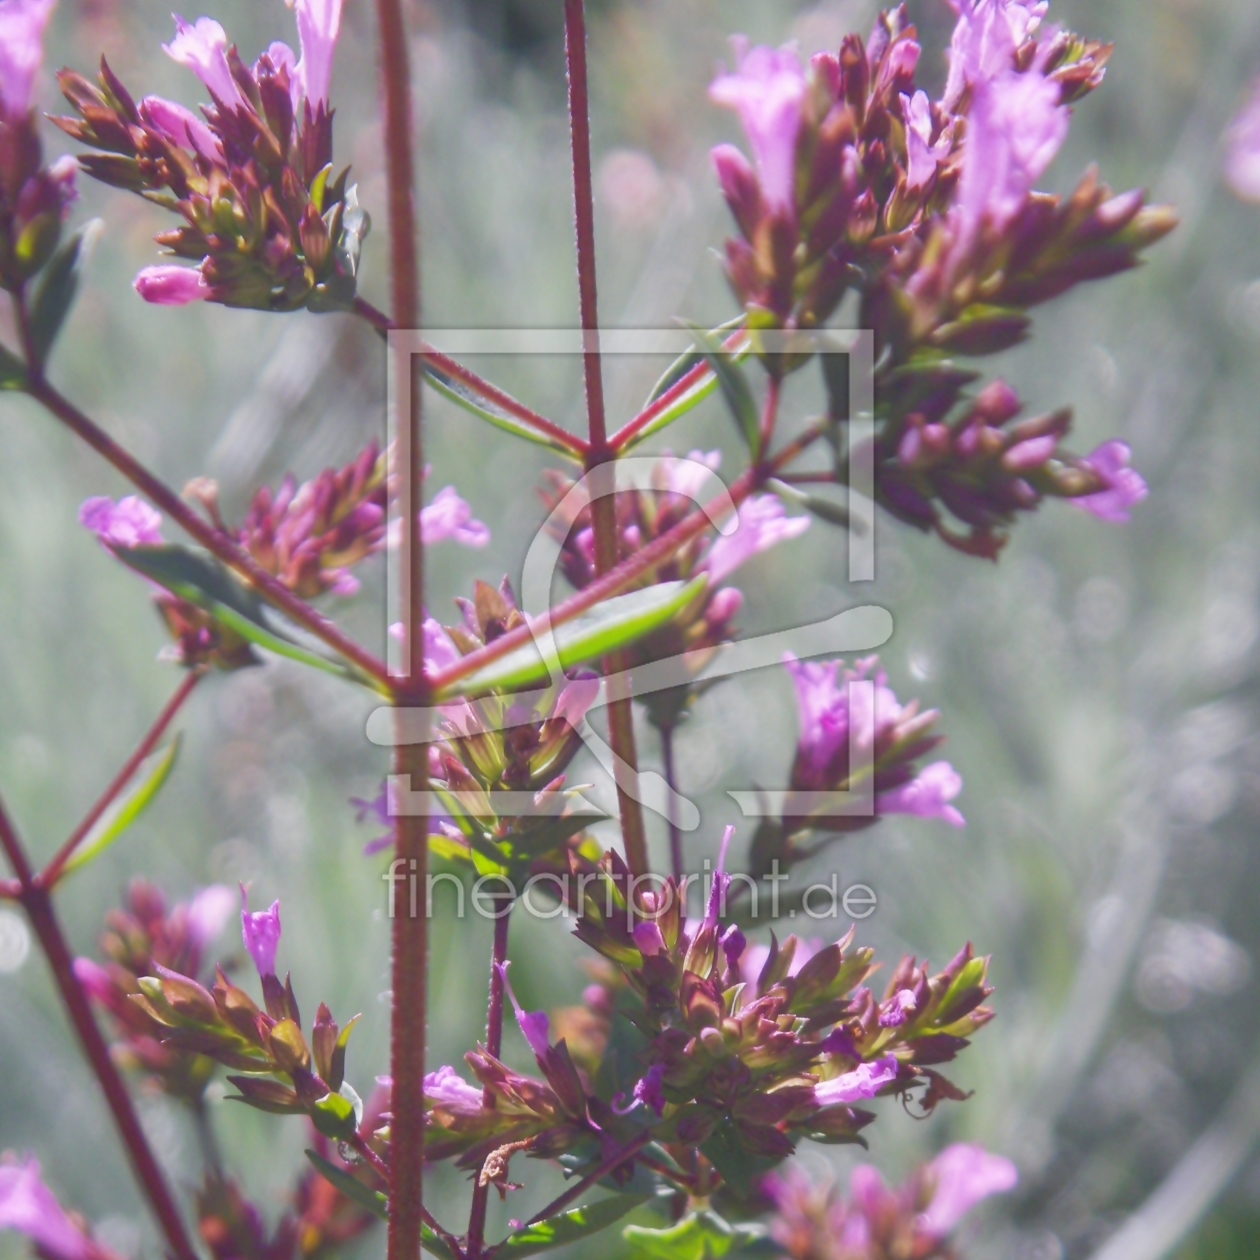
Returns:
(606, 628)
(352, 1188)
(206, 583)
(138, 796)
(58, 287)
(567, 1227)
(462, 396)
(698, 1236)
(12, 370)
(735, 387)
(686, 361)
(333, 1115)
(739, 1166)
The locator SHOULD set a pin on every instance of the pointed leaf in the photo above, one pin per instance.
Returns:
(605, 629)
(484, 409)
(567, 1227)
(688, 360)
(58, 287)
(136, 798)
(373, 1200)
(735, 387)
(206, 583)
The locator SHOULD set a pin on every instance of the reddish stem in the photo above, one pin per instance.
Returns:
(48, 877)
(494, 1046)
(603, 509)
(39, 909)
(611, 1164)
(629, 431)
(478, 385)
(213, 540)
(602, 588)
(411, 848)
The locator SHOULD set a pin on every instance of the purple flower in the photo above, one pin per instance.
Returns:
(171, 285)
(927, 795)
(534, 1024)
(923, 156)
(648, 939)
(648, 1091)
(202, 48)
(985, 40)
(865, 1081)
(181, 127)
(318, 22)
(261, 934)
(128, 523)
(687, 476)
(446, 1088)
(768, 91)
(28, 1206)
(449, 517)
(963, 1176)
(721, 881)
(755, 957)
(208, 911)
(763, 524)
(1124, 485)
(899, 1007)
(22, 25)
(1242, 160)
(1016, 127)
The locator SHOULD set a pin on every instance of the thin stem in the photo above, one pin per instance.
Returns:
(494, 1046)
(411, 846)
(370, 1157)
(671, 780)
(612, 583)
(39, 909)
(632, 428)
(603, 509)
(798, 446)
(611, 1164)
(477, 384)
(770, 413)
(809, 479)
(48, 878)
(214, 540)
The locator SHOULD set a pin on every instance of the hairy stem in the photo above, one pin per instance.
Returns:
(603, 509)
(671, 780)
(494, 1045)
(48, 877)
(411, 844)
(214, 540)
(610, 1165)
(39, 909)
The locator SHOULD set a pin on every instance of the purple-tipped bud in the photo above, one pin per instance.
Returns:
(534, 1024)
(648, 939)
(739, 186)
(721, 881)
(261, 934)
(181, 127)
(170, 285)
(733, 943)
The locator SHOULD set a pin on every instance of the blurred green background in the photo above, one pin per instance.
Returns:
(1098, 686)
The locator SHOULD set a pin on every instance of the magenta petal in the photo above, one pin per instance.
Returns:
(130, 522)
(261, 934)
(318, 23)
(202, 48)
(865, 1081)
(927, 795)
(1125, 486)
(964, 1176)
(171, 285)
(30, 1208)
(22, 24)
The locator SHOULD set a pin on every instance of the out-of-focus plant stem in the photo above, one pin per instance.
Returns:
(37, 903)
(604, 508)
(411, 832)
(671, 780)
(610, 1165)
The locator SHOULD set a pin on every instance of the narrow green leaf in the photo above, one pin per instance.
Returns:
(698, 1236)
(735, 387)
(688, 360)
(567, 1227)
(459, 393)
(136, 798)
(353, 1188)
(206, 583)
(608, 627)
(58, 287)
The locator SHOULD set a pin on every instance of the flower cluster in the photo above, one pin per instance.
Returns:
(265, 218)
(34, 198)
(142, 941)
(812, 1221)
(929, 211)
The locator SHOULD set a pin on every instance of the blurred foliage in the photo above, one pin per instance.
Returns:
(1099, 686)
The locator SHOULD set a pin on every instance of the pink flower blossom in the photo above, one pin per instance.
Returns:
(923, 156)
(181, 127)
(865, 1081)
(171, 285)
(1016, 127)
(30, 1208)
(261, 934)
(768, 92)
(208, 912)
(687, 476)
(963, 1176)
(22, 25)
(202, 48)
(448, 517)
(985, 40)
(763, 524)
(1242, 159)
(130, 522)
(927, 795)
(1125, 486)
(318, 23)
(446, 1088)
(898, 1010)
